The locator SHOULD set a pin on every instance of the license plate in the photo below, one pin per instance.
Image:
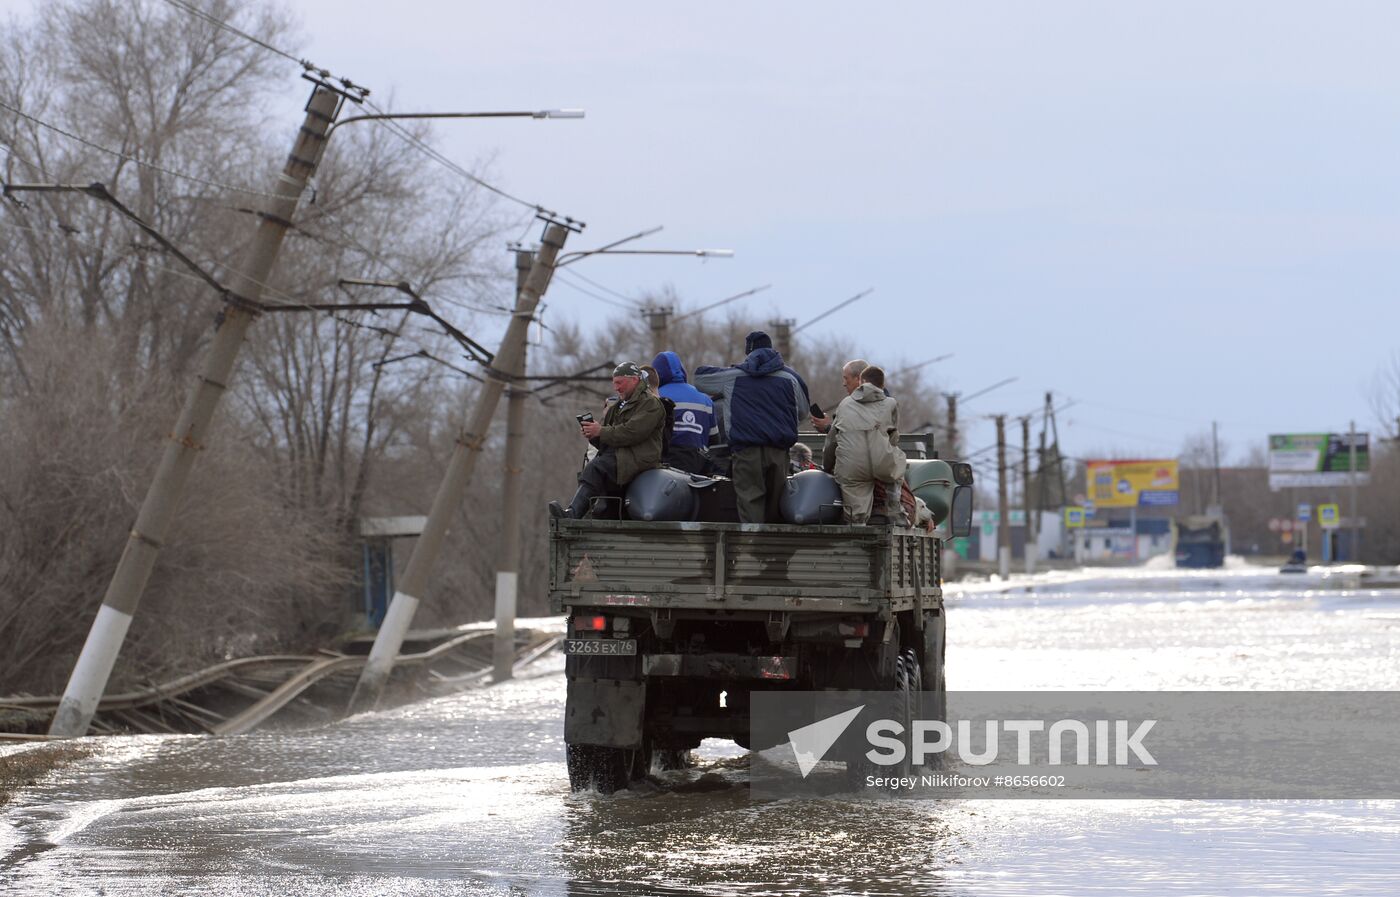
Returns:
(600, 646)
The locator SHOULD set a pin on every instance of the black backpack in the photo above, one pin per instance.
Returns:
(669, 426)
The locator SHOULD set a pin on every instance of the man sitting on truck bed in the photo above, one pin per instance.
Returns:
(862, 448)
(694, 416)
(763, 403)
(628, 441)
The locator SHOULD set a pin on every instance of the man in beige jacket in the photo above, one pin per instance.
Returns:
(862, 447)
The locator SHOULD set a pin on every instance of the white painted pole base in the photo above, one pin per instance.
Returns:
(90, 674)
(1032, 555)
(385, 650)
(1004, 562)
(503, 652)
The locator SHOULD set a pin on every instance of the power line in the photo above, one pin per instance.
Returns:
(563, 277)
(606, 289)
(419, 306)
(219, 23)
(1122, 433)
(447, 163)
(392, 125)
(133, 159)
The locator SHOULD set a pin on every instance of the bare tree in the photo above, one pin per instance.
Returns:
(1385, 394)
(99, 326)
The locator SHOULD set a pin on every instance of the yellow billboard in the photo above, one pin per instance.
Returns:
(1133, 484)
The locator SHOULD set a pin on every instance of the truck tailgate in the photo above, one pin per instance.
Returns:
(758, 566)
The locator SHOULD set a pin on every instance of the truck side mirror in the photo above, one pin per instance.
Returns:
(960, 520)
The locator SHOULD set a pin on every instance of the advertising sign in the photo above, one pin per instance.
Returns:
(1317, 459)
(1133, 484)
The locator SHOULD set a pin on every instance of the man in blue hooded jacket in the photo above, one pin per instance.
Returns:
(763, 403)
(694, 421)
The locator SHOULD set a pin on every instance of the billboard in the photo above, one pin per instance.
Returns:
(1317, 459)
(1133, 484)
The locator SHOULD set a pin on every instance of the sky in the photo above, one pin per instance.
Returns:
(1166, 212)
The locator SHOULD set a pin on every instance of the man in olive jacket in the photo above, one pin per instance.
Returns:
(628, 441)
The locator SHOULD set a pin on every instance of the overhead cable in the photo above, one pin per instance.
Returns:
(134, 159)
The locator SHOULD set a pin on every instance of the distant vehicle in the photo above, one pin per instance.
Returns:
(1200, 542)
(1297, 562)
(674, 623)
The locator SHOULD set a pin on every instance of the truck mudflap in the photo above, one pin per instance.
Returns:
(719, 666)
(605, 712)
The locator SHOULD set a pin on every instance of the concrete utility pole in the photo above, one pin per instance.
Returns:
(1032, 550)
(1059, 452)
(1003, 511)
(952, 398)
(508, 571)
(1215, 453)
(104, 641)
(454, 483)
(1355, 508)
(659, 317)
(782, 336)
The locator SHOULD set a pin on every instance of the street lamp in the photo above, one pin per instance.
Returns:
(387, 116)
(698, 253)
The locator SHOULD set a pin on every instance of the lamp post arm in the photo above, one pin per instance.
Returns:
(386, 116)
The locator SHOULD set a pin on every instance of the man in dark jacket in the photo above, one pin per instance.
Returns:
(694, 416)
(628, 442)
(763, 403)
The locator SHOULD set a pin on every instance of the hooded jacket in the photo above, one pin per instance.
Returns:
(863, 443)
(762, 400)
(695, 412)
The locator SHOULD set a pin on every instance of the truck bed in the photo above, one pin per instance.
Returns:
(733, 566)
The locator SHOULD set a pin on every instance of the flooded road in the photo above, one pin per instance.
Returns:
(468, 794)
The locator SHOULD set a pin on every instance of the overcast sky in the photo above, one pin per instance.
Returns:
(1171, 212)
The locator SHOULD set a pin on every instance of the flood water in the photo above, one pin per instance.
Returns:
(469, 795)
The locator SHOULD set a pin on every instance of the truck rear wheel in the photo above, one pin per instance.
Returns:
(604, 769)
(669, 759)
(907, 682)
(935, 648)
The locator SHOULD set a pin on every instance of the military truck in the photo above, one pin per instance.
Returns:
(673, 625)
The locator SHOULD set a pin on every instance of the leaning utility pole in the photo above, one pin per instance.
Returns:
(952, 398)
(1041, 504)
(659, 317)
(1059, 452)
(782, 336)
(1031, 515)
(1003, 512)
(94, 667)
(1355, 505)
(508, 570)
(447, 502)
